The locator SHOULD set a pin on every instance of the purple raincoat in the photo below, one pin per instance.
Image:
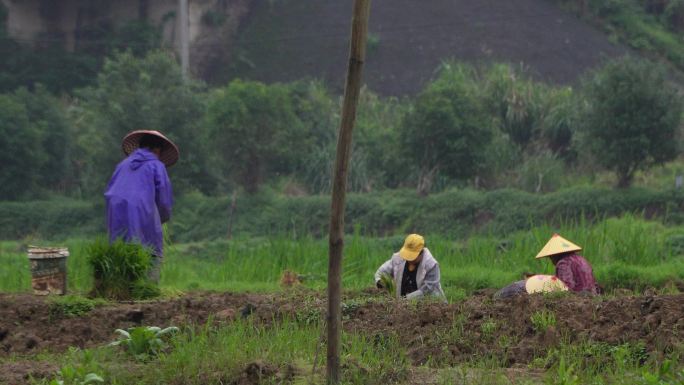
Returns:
(139, 200)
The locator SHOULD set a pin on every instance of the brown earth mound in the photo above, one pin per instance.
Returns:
(442, 333)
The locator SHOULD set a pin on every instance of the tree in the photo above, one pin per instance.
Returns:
(142, 93)
(447, 129)
(631, 116)
(48, 116)
(255, 128)
(21, 150)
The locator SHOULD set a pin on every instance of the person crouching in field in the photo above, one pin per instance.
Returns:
(139, 196)
(571, 268)
(413, 269)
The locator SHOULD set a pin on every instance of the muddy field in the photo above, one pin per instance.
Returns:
(444, 334)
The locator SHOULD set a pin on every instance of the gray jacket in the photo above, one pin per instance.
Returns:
(427, 276)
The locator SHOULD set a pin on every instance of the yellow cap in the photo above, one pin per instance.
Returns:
(544, 284)
(413, 245)
(557, 245)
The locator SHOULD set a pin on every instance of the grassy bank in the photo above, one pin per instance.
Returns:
(626, 252)
(455, 213)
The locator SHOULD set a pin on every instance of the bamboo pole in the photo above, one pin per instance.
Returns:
(357, 53)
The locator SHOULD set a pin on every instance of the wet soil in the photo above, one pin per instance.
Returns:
(441, 334)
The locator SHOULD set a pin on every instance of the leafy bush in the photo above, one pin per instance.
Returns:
(256, 130)
(631, 116)
(143, 341)
(446, 130)
(119, 269)
(134, 93)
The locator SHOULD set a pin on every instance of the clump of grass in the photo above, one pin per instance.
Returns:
(120, 270)
(72, 306)
(488, 328)
(542, 320)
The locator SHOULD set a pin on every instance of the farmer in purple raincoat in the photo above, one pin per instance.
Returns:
(139, 196)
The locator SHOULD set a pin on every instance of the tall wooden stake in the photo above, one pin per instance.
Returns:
(357, 53)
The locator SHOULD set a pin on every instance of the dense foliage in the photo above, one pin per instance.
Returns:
(631, 117)
(488, 127)
(456, 213)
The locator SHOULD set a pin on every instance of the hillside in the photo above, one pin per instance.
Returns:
(288, 40)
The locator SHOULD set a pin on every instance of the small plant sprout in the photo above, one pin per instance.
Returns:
(542, 320)
(69, 375)
(488, 328)
(143, 341)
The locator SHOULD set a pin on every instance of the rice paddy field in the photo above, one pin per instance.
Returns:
(243, 320)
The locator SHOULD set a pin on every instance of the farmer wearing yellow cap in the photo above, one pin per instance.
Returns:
(414, 270)
(571, 268)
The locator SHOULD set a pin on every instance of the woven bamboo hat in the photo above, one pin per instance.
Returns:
(169, 153)
(557, 245)
(544, 284)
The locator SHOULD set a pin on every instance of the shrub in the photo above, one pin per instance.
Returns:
(447, 129)
(631, 116)
(256, 130)
(120, 269)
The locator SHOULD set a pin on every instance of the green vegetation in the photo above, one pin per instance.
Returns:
(631, 117)
(120, 270)
(627, 253)
(286, 350)
(489, 127)
(142, 342)
(256, 124)
(207, 355)
(73, 306)
(454, 213)
(446, 131)
(542, 320)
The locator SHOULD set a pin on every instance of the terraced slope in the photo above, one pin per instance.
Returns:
(283, 40)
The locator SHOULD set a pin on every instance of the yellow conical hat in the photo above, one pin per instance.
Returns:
(544, 284)
(557, 245)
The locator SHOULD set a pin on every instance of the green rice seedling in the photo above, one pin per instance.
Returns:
(542, 320)
(120, 269)
(388, 284)
(143, 341)
(488, 328)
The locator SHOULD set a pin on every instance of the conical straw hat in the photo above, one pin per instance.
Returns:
(544, 284)
(557, 245)
(169, 154)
